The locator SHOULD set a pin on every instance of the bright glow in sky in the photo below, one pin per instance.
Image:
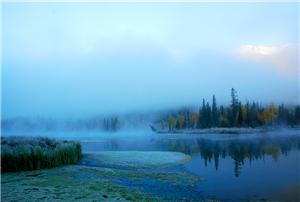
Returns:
(80, 59)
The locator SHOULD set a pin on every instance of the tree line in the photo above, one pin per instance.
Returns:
(236, 114)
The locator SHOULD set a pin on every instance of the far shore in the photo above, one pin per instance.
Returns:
(223, 130)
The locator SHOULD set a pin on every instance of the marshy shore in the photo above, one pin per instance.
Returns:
(34, 153)
(36, 169)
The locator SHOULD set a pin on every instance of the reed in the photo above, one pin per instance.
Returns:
(34, 153)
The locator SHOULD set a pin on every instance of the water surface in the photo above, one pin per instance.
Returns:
(234, 167)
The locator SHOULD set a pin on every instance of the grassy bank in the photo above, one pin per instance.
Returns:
(84, 183)
(33, 153)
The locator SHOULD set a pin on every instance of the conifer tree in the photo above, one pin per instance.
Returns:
(208, 116)
(214, 112)
(240, 119)
(203, 115)
(297, 115)
(234, 107)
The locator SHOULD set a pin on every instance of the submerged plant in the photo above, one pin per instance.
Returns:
(28, 153)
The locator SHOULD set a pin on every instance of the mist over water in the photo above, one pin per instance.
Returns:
(71, 62)
(131, 77)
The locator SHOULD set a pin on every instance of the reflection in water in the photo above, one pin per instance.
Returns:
(238, 150)
(114, 144)
(273, 173)
(211, 151)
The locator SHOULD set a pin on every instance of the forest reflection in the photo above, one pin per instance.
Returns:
(239, 151)
(211, 151)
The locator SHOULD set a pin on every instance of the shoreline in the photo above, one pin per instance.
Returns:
(236, 131)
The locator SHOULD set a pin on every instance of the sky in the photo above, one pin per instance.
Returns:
(84, 59)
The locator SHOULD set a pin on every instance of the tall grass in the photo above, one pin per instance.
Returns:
(33, 153)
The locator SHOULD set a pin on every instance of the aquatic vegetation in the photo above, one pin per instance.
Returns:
(82, 183)
(61, 184)
(28, 153)
(137, 159)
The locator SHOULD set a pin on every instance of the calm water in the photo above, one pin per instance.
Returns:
(234, 167)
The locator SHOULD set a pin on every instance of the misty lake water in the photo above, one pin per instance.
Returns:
(233, 167)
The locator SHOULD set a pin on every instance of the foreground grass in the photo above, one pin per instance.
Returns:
(33, 153)
(83, 183)
(61, 184)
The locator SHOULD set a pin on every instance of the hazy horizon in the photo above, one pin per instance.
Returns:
(84, 59)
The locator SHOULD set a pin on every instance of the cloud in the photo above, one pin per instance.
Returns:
(283, 58)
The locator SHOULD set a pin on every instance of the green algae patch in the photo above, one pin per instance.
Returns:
(137, 159)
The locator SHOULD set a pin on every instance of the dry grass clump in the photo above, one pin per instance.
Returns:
(33, 153)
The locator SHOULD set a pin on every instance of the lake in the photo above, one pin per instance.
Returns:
(234, 167)
(243, 167)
